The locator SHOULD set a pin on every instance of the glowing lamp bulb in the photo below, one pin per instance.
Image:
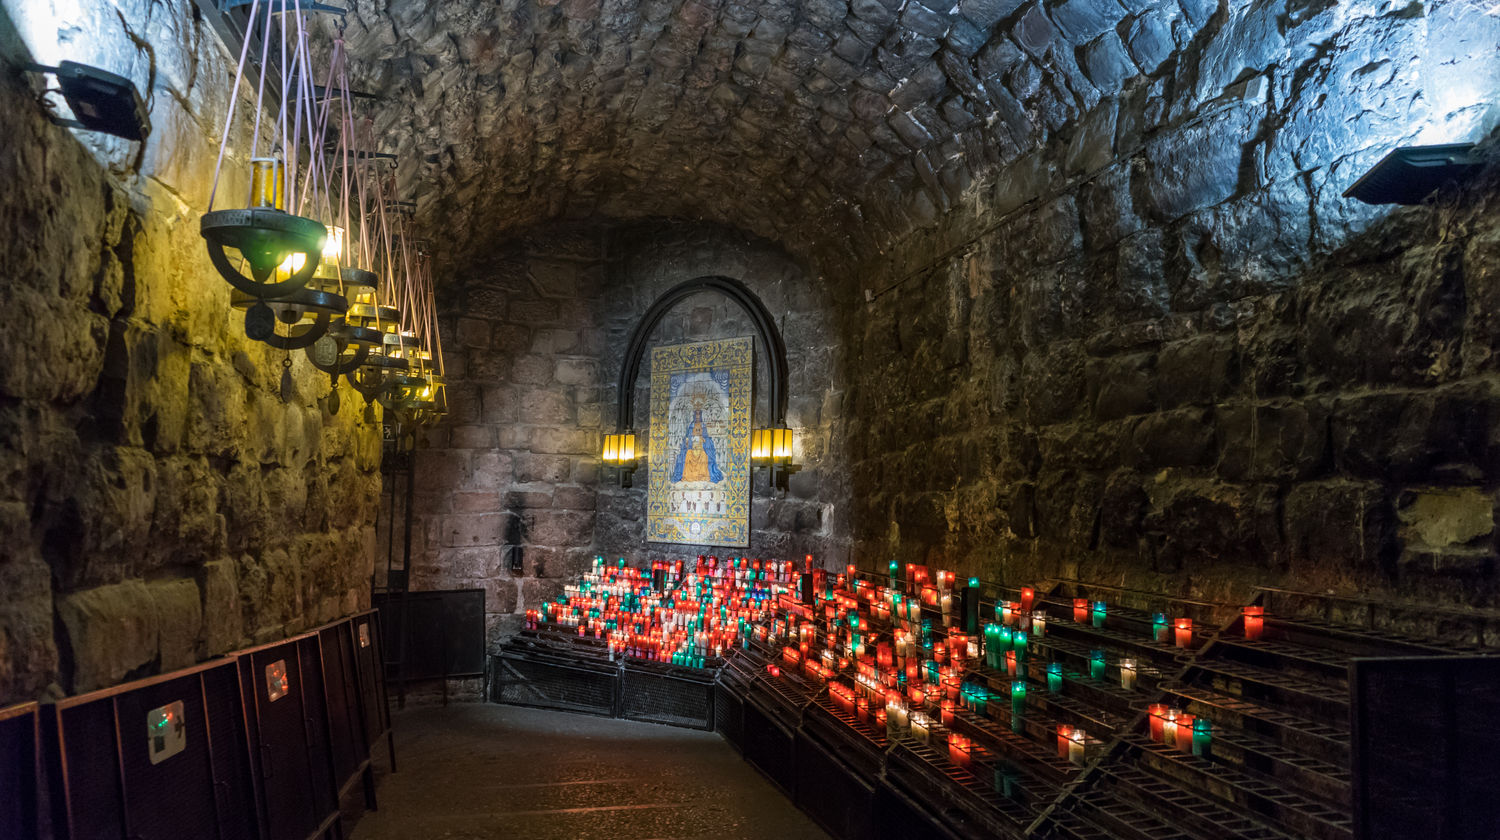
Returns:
(333, 244)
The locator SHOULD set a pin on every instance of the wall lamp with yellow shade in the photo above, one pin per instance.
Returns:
(771, 449)
(619, 453)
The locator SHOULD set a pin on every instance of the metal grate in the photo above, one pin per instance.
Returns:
(523, 681)
(665, 698)
(729, 716)
(769, 747)
(831, 794)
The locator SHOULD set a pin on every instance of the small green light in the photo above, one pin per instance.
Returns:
(973, 583)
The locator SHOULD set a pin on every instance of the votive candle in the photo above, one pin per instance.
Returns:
(1054, 677)
(1255, 621)
(1127, 674)
(1184, 632)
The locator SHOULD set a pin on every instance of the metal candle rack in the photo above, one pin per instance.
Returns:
(1268, 757)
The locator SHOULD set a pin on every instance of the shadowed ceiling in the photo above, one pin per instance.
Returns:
(798, 121)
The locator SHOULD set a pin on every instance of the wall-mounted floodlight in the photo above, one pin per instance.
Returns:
(1411, 173)
(100, 100)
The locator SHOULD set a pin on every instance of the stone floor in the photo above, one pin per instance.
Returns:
(478, 771)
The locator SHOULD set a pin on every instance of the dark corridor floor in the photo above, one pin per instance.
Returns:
(484, 772)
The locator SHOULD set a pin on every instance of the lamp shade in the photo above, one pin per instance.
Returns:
(760, 445)
(781, 444)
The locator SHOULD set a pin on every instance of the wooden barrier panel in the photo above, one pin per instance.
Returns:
(20, 768)
(155, 759)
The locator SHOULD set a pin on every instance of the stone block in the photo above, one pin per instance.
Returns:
(473, 332)
(223, 628)
(1192, 522)
(1181, 438)
(1122, 508)
(472, 529)
(1445, 518)
(111, 630)
(1199, 165)
(499, 404)
(1416, 437)
(546, 407)
(179, 617)
(534, 591)
(546, 469)
(986, 13)
(490, 471)
(1123, 385)
(532, 370)
(577, 372)
(1341, 530)
(471, 437)
(1196, 370)
(1271, 442)
(564, 441)
(560, 528)
(576, 498)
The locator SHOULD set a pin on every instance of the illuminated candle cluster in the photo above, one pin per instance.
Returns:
(910, 654)
(671, 612)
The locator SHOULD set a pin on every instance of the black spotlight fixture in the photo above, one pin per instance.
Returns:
(1411, 173)
(99, 100)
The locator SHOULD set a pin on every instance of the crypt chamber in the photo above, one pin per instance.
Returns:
(1056, 419)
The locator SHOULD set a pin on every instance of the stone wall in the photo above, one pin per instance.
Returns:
(162, 500)
(1162, 350)
(509, 493)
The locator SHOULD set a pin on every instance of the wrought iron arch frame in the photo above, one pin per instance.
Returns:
(760, 317)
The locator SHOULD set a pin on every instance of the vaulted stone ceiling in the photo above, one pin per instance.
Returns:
(801, 120)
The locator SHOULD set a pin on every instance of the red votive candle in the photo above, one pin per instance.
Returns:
(1255, 621)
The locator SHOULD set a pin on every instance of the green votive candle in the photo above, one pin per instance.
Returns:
(1054, 677)
(1202, 737)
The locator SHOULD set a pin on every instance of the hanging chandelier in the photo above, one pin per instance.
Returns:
(294, 291)
(279, 249)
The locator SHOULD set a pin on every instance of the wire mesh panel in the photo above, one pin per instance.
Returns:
(898, 817)
(18, 771)
(272, 678)
(341, 685)
(729, 716)
(86, 797)
(665, 698)
(522, 681)
(831, 794)
(318, 742)
(1424, 747)
(234, 780)
(166, 798)
(370, 669)
(769, 747)
(153, 760)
